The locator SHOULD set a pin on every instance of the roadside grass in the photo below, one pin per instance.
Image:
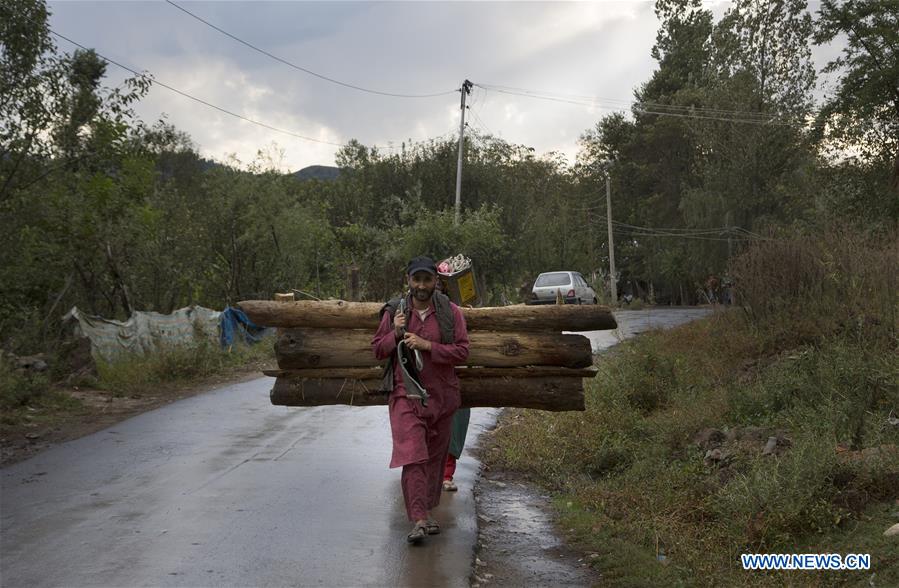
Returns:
(135, 375)
(635, 304)
(31, 400)
(665, 479)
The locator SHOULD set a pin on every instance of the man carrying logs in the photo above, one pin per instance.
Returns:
(423, 336)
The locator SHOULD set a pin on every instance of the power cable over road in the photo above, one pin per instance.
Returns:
(149, 77)
(153, 80)
(305, 70)
(652, 108)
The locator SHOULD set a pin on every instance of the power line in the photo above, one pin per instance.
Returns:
(700, 234)
(479, 131)
(581, 98)
(771, 121)
(628, 234)
(149, 77)
(593, 103)
(696, 237)
(153, 80)
(593, 100)
(482, 103)
(648, 111)
(625, 228)
(303, 69)
(480, 122)
(696, 231)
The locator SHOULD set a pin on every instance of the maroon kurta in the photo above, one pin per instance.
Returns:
(421, 434)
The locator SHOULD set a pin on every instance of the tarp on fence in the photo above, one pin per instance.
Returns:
(144, 331)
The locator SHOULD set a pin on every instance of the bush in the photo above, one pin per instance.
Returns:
(136, 374)
(18, 390)
(780, 499)
(803, 288)
(811, 361)
(849, 386)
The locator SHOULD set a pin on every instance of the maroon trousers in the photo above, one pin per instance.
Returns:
(421, 439)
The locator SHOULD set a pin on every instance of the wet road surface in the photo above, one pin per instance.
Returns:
(225, 489)
(634, 322)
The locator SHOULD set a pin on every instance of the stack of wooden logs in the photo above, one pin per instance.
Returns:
(518, 355)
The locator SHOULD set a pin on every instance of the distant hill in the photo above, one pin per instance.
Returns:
(318, 172)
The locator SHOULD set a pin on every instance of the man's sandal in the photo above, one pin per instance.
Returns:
(417, 535)
(432, 527)
(449, 486)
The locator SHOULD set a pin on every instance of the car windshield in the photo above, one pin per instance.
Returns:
(554, 279)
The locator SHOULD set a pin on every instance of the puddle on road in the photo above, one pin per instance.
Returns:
(517, 542)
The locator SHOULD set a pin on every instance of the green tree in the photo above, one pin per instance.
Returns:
(68, 176)
(31, 88)
(862, 115)
(716, 138)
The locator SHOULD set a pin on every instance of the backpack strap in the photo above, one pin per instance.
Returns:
(445, 318)
(444, 310)
(389, 306)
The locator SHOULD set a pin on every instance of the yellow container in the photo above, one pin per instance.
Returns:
(461, 287)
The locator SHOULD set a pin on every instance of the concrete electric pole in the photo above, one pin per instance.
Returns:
(612, 280)
(466, 90)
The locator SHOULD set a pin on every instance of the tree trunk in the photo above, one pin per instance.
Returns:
(374, 373)
(321, 348)
(353, 284)
(339, 314)
(546, 393)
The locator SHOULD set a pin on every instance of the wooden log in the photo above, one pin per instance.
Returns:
(321, 348)
(374, 373)
(339, 314)
(546, 393)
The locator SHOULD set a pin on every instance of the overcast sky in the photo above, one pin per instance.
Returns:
(585, 48)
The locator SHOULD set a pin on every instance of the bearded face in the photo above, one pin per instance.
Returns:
(422, 285)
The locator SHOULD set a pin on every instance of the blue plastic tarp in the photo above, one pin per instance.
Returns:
(234, 323)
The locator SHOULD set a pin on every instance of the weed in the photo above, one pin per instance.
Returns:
(137, 374)
(811, 362)
(18, 390)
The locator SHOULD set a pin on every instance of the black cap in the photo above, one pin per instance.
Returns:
(421, 264)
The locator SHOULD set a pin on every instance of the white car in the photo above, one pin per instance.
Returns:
(571, 286)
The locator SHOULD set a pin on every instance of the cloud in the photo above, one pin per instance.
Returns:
(591, 48)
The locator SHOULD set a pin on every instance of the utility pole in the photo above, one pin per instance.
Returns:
(466, 90)
(612, 280)
(730, 248)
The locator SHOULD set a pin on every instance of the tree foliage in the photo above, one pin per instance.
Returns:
(103, 210)
(862, 116)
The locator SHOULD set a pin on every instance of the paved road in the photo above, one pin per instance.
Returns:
(224, 489)
(634, 322)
